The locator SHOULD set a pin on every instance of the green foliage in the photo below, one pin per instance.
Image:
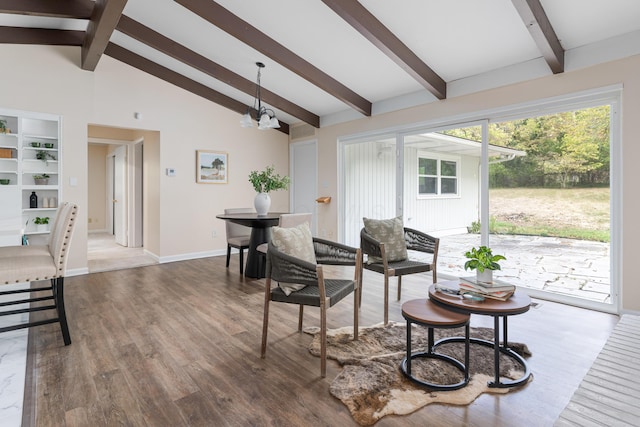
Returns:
(563, 150)
(45, 156)
(43, 176)
(268, 180)
(482, 259)
(41, 220)
(3, 125)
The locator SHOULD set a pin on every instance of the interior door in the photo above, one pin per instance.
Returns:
(120, 229)
(304, 179)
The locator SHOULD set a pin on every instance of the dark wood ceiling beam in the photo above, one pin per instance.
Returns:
(170, 76)
(104, 19)
(78, 9)
(537, 22)
(243, 31)
(177, 51)
(373, 30)
(20, 35)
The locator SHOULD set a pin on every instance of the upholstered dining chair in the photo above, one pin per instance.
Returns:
(288, 220)
(26, 264)
(295, 261)
(238, 236)
(386, 244)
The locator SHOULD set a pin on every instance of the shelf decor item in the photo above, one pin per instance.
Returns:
(264, 182)
(45, 156)
(35, 144)
(484, 262)
(41, 179)
(4, 181)
(48, 145)
(33, 200)
(42, 223)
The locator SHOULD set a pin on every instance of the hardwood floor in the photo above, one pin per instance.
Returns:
(178, 344)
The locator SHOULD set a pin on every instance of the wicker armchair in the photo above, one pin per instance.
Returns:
(319, 292)
(416, 241)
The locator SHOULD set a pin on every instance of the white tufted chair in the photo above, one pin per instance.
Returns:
(19, 264)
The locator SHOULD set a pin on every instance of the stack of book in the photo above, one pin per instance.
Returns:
(495, 290)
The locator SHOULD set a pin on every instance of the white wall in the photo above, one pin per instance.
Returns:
(175, 124)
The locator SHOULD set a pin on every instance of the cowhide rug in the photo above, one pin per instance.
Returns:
(371, 384)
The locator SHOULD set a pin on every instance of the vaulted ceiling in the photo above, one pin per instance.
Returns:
(332, 60)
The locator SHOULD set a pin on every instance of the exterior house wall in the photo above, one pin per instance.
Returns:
(441, 216)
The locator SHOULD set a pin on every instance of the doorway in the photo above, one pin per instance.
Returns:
(115, 229)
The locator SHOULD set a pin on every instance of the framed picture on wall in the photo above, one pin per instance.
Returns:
(212, 167)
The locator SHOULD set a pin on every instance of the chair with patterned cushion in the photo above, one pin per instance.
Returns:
(294, 261)
(288, 220)
(386, 244)
(34, 263)
(238, 236)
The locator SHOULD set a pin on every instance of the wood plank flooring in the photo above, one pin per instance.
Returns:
(178, 344)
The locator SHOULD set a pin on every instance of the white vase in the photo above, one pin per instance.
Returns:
(41, 228)
(486, 276)
(262, 203)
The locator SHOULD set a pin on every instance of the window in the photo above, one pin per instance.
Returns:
(437, 176)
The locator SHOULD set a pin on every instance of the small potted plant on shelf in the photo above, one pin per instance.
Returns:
(45, 156)
(264, 182)
(484, 262)
(3, 126)
(42, 223)
(42, 179)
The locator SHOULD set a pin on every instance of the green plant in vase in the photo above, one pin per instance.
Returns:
(264, 182)
(45, 156)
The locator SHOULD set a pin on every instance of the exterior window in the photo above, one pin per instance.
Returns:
(437, 176)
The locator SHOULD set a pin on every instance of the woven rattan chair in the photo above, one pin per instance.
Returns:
(415, 240)
(25, 264)
(238, 236)
(319, 292)
(286, 220)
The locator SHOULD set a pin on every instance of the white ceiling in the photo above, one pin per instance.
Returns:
(472, 45)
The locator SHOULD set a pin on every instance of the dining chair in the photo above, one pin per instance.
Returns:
(298, 259)
(381, 243)
(34, 263)
(238, 236)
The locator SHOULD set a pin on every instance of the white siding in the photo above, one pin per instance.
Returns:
(369, 183)
(441, 215)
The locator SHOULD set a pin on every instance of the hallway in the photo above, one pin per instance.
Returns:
(104, 254)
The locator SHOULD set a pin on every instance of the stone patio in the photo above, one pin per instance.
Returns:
(577, 268)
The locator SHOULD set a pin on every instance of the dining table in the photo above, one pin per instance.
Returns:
(260, 233)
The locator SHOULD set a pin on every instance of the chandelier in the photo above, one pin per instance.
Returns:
(266, 117)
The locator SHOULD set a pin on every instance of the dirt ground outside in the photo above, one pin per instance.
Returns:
(585, 208)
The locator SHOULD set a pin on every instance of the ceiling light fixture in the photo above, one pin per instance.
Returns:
(266, 117)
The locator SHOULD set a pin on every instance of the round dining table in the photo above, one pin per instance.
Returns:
(260, 233)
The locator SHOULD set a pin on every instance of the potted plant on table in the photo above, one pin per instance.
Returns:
(42, 223)
(264, 182)
(484, 262)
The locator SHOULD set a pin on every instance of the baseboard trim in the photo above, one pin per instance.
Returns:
(192, 255)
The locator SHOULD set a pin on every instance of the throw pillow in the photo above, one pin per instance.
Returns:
(391, 233)
(297, 242)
